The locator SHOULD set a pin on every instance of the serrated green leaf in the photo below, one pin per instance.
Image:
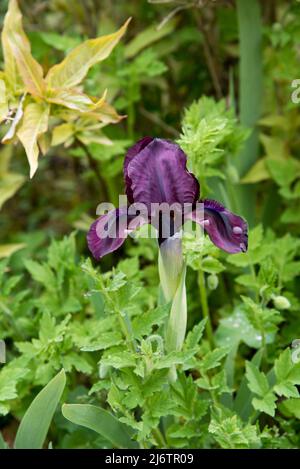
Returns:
(213, 359)
(107, 339)
(142, 325)
(257, 380)
(267, 404)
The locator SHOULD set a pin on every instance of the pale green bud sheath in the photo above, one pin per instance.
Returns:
(172, 271)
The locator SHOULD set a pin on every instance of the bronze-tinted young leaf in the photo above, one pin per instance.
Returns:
(105, 113)
(7, 250)
(12, 16)
(9, 182)
(74, 99)
(35, 123)
(75, 66)
(19, 52)
(9, 186)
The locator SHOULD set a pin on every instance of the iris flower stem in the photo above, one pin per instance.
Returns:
(205, 308)
(126, 332)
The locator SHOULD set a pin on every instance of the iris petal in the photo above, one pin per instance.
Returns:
(158, 174)
(226, 230)
(109, 231)
(131, 153)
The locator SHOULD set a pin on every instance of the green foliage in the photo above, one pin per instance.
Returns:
(237, 374)
(52, 96)
(287, 375)
(33, 429)
(101, 421)
(210, 136)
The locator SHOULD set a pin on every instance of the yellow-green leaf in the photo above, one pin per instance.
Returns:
(75, 66)
(9, 182)
(91, 137)
(9, 185)
(7, 250)
(75, 100)
(274, 147)
(71, 99)
(44, 143)
(258, 172)
(12, 16)
(3, 101)
(20, 51)
(62, 133)
(34, 123)
(105, 113)
(5, 156)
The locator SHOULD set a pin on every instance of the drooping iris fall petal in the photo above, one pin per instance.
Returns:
(158, 174)
(226, 230)
(109, 231)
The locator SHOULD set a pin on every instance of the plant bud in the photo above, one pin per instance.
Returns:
(212, 281)
(281, 302)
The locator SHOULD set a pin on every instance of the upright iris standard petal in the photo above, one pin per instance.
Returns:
(109, 231)
(158, 174)
(225, 229)
(131, 153)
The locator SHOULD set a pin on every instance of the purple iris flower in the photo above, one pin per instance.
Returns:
(155, 172)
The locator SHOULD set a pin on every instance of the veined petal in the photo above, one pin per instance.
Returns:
(158, 174)
(109, 231)
(226, 230)
(131, 153)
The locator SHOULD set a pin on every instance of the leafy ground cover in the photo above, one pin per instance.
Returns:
(80, 84)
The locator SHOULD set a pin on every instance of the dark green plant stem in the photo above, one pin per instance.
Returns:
(210, 59)
(94, 167)
(205, 308)
(159, 122)
(159, 438)
(131, 108)
(125, 325)
(250, 94)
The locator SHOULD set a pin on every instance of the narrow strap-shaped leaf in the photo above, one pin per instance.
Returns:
(251, 93)
(100, 421)
(36, 421)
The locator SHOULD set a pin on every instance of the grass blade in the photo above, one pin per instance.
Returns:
(100, 421)
(36, 421)
(250, 94)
